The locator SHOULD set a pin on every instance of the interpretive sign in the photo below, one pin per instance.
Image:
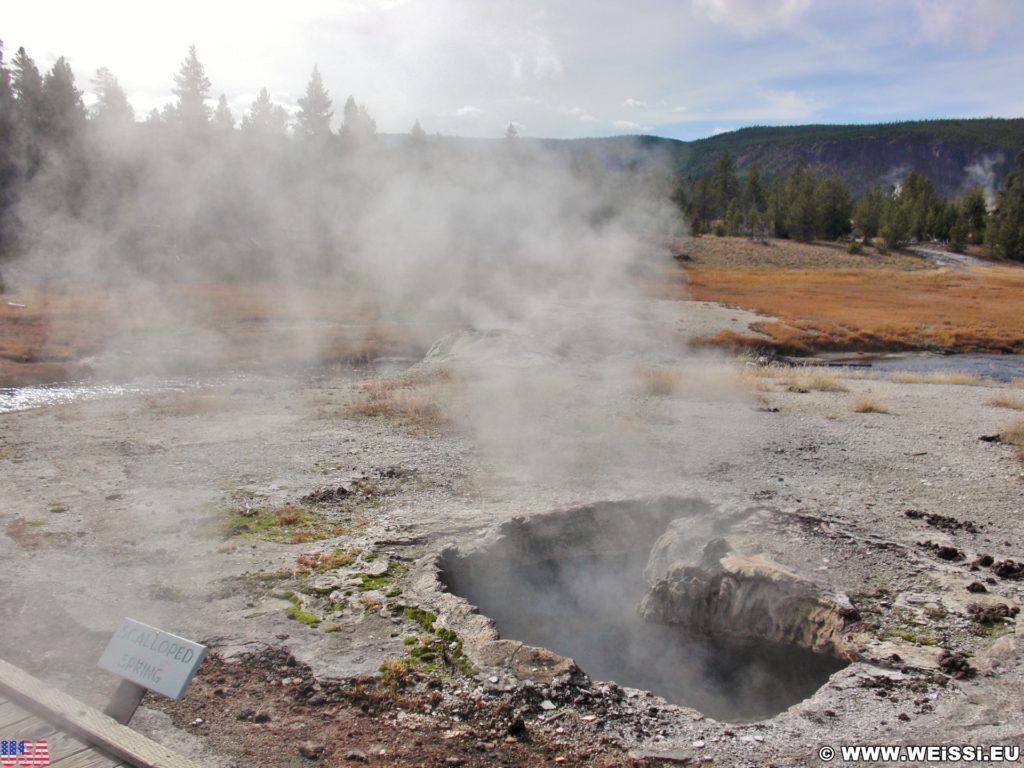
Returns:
(152, 658)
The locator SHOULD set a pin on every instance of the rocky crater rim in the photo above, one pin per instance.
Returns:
(698, 571)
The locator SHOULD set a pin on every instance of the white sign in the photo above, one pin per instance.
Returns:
(152, 658)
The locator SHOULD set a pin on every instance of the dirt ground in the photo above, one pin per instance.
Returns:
(293, 523)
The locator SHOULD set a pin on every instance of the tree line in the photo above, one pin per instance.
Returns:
(802, 206)
(190, 193)
(56, 155)
(82, 189)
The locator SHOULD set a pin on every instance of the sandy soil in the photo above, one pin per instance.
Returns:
(116, 507)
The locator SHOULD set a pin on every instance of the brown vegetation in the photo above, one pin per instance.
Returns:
(410, 401)
(190, 404)
(816, 379)
(1014, 435)
(660, 382)
(938, 377)
(806, 379)
(1008, 401)
(826, 299)
(46, 337)
(870, 404)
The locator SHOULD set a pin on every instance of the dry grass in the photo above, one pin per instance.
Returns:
(412, 402)
(736, 343)
(741, 252)
(829, 300)
(46, 339)
(815, 379)
(810, 378)
(1014, 435)
(937, 377)
(1008, 401)
(190, 404)
(870, 404)
(660, 382)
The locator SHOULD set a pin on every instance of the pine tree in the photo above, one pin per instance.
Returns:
(867, 215)
(265, 118)
(778, 207)
(112, 107)
(7, 119)
(28, 90)
(192, 88)
(733, 220)
(700, 206)
(223, 120)
(801, 214)
(63, 110)
(895, 227)
(958, 234)
(358, 124)
(725, 186)
(753, 192)
(8, 159)
(1005, 232)
(314, 117)
(833, 208)
(976, 213)
(417, 132)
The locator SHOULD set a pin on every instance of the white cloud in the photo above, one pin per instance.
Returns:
(547, 65)
(954, 21)
(578, 112)
(627, 125)
(533, 55)
(751, 17)
(789, 105)
(717, 131)
(470, 66)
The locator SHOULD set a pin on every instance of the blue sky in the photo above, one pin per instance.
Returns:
(678, 68)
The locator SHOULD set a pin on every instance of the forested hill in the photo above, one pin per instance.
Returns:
(955, 154)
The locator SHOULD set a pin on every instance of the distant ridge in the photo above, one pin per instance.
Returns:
(955, 154)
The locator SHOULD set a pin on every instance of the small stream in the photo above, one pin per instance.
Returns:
(998, 367)
(24, 398)
(48, 395)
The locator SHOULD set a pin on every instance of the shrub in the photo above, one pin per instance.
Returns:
(869, 404)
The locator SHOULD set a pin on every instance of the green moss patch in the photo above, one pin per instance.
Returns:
(289, 524)
(295, 612)
(910, 637)
(440, 648)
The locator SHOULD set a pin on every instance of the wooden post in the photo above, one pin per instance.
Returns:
(125, 701)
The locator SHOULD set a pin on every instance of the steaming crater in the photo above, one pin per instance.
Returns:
(648, 594)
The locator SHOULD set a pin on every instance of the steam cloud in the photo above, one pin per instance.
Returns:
(982, 173)
(537, 250)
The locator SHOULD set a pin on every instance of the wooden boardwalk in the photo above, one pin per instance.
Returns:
(66, 751)
(77, 735)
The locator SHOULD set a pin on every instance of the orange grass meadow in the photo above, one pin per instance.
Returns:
(882, 305)
(48, 336)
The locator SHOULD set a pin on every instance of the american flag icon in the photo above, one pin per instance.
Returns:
(24, 753)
